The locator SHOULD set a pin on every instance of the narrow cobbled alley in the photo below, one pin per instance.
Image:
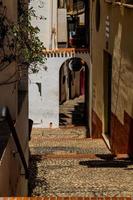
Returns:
(64, 163)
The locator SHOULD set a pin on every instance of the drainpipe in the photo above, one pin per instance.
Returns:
(53, 28)
(90, 36)
(91, 60)
(51, 24)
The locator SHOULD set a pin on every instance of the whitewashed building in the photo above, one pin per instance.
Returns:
(44, 86)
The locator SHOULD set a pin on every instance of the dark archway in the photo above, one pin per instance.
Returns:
(74, 87)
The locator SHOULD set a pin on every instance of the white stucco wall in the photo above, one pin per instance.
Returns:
(47, 11)
(44, 106)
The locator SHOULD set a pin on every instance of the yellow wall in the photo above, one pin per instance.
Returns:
(115, 29)
(121, 48)
(97, 46)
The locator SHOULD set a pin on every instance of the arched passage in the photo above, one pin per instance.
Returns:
(74, 93)
(46, 113)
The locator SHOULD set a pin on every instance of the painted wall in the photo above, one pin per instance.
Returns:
(12, 183)
(46, 21)
(44, 104)
(115, 37)
(122, 79)
(97, 75)
(44, 86)
(44, 90)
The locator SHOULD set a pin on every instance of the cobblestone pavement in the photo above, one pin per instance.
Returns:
(61, 133)
(67, 146)
(80, 177)
(67, 175)
(64, 163)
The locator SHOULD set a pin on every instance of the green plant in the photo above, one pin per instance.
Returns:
(19, 41)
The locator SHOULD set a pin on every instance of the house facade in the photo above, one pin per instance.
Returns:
(44, 87)
(60, 30)
(109, 43)
(14, 131)
(112, 63)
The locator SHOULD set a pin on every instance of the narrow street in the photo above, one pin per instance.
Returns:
(66, 104)
(65, 163)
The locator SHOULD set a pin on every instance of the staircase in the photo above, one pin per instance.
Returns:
(72, 112)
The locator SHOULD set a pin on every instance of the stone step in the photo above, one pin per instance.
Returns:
(66, 131)
(60, 146)
(99, 157)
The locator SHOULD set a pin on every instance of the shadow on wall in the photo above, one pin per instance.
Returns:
(122, 134)
(127, 49)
